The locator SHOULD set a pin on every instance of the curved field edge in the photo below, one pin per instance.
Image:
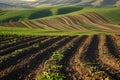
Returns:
(112, 14)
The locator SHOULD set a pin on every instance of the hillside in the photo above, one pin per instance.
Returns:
(112, 14)
(60, 21)
(39, 3)
(84, 22)
(19, 15)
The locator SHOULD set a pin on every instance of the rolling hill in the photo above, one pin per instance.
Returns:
(72, 20)
(76, 21)
(19, 15)
(111, 14)
(39, 3)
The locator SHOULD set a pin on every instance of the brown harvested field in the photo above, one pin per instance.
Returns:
(93, 57)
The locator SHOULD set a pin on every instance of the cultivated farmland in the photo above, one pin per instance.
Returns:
(69, 43)
(66, 57)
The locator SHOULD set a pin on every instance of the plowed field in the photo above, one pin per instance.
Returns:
(93, 57)
(89, 21)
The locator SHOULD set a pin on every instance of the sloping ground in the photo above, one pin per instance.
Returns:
(84, 57)
(39, 3)
(89, 21)
(111, 14)
(34, 13)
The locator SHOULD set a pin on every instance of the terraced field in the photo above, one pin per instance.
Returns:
(60, 57)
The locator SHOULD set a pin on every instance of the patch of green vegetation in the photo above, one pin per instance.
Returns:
(118, 61)
(118, 42)
(97, 73)
(1, 75)
(36, 46)
(7, 43)
(2, 12)
(57, 56)
(93, 68)
(18, 51)
(106, 54)
(9, 31)
(51, 76)
(13, 54)
(94, 71)
(107, 78)
(53, 72)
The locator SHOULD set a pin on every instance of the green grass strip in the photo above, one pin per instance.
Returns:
(8, 32)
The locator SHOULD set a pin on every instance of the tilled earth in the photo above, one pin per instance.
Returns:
(93, 57)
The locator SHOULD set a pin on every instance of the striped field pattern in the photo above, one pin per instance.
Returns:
(89, 21)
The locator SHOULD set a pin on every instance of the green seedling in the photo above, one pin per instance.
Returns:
(18, 51)
(57, 56)
(118, 42)
(97, 73)
(118, 61)
(92, 68)
(51, 76)
(36, 46)
(106, 54)
(53, 73)
(54, 67)
(107, 78)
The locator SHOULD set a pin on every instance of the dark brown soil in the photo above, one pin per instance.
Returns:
(90, 58)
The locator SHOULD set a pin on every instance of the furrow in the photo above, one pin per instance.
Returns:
(27, 64)
(27, 52)
(68, 69)
(38, 70)
(108, 63)
(19, 46)
(2, 40)
(5, 60)
(20, 41)
(112, 46)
